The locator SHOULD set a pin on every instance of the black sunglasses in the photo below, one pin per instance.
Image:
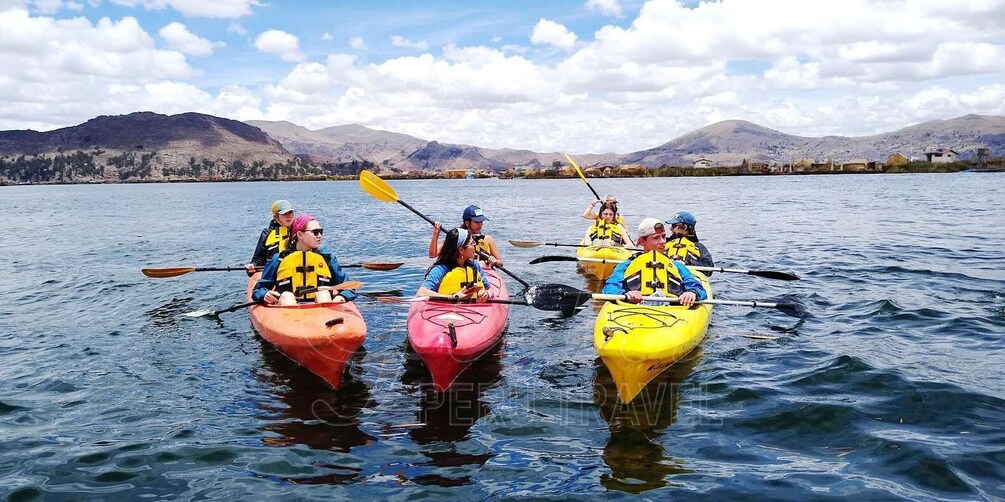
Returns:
(316, 231)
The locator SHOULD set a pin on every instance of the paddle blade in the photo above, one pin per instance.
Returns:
(546, 259)
(161, 273)
(526, 244)
(558, 297)
(199, 313)
(381, 266)
(793, 307)
(376, 187)
(774, 274)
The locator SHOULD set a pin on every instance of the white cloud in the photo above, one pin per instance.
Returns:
(198, 8)
(327, 37)
(278, 42)
(607, 7)
(236, 29)
(357, 43)
(548, 32)
(399, 41)
(180, 39)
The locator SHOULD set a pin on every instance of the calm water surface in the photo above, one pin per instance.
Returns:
(894, 389)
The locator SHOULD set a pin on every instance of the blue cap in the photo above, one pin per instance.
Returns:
(682, 217)
(474, 213)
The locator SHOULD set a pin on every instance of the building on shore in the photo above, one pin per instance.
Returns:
(897, 159)
(942, 156)
(702, 162)
(855, 165)
(457, 173)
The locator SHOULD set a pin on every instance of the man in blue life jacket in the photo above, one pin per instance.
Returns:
(652, 273)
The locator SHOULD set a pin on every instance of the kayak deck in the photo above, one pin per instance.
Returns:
(319, 337)
(601, 270)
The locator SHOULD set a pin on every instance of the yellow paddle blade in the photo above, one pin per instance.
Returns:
(376, 187)
(526, 244)
(576, 167)
(381, 266)
(161, 273)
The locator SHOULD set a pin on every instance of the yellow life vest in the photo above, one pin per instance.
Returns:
(460, 278)
(602, 230)
(481, 244)
(303, 269)
(277, 240)
(653, 271)
(683, 249)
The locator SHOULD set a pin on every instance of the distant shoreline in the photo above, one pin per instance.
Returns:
(680, 173)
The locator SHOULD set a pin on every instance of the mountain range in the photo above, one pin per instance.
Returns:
(198, 145)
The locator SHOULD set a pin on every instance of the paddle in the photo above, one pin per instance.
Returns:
(792, 309)
(160, 273)
(214, 313)
(534, 244)
(416, 299)
(767, 274)
(582, 176)
(382, 191)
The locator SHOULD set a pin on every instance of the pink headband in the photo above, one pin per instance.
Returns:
(300, 223)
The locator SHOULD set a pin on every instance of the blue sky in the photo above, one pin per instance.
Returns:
(581, 76)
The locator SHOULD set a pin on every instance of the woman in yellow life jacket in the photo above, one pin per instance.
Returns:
(473, 220)
(456, 274)
(291, 275)
(611, 202)
(274, 238)
(606, 232)
(650, 272)
(683, 244)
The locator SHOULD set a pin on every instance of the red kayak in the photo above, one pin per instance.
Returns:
(449, 336)
(319, 337)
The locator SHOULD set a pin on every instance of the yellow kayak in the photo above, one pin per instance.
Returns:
(601, 270)
(638, 342)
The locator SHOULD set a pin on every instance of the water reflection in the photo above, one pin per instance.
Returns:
(637, 461)
(310, 412)
(445, 419)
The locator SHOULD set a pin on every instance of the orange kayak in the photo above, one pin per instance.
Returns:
(319, 337)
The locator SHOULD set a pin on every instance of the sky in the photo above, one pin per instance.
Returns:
(589, 76)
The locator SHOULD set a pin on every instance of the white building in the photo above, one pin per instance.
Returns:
(702, 162)
(942, 156)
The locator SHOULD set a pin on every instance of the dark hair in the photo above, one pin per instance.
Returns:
(448, 253)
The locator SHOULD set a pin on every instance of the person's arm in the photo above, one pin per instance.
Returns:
(626, 237)
(261, 254)
(689, 282)
(706, 258)
(432, 282)
(586, 238)
(339, 276)
(494, 251)
(588, 214)
(615, 284)
(434, 243)
(263, 288)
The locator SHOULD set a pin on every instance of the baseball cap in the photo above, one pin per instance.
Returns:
(474, 213)
(682, 217)
(281, 206)
(649, 226)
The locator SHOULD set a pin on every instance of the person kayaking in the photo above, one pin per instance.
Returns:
(611, 202)
(606, 232)
(303, 265)
(683, 243)
(473, 220)
(274, 238)
(652, 273)
(456, 274)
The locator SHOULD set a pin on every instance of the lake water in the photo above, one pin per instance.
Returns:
(893, 389)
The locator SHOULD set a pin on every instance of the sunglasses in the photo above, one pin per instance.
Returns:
(316, 231)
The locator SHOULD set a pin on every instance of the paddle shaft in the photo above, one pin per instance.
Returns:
(582, 176)
(664, 299)
(483, 255)
(768, 274)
